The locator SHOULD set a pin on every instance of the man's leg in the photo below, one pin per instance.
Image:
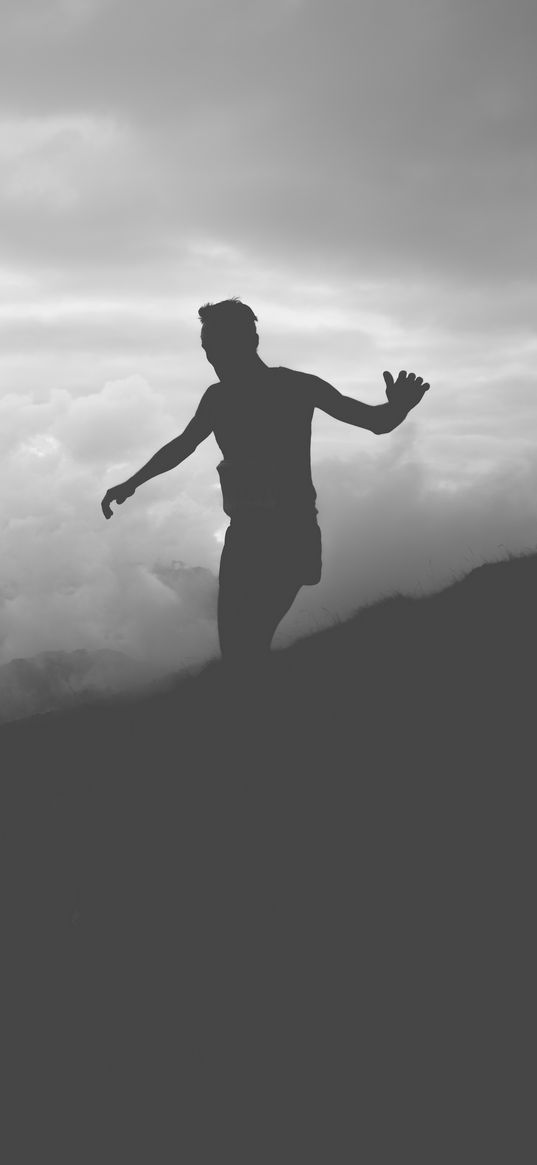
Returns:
(249, 614)
(276, 605)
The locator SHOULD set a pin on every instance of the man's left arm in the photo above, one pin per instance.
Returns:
(403, 395)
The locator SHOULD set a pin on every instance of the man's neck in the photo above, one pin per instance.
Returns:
(248, 370)
(256, 364)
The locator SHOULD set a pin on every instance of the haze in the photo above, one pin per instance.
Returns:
(363, 175)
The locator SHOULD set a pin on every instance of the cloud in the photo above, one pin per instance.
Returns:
(68, 579)
(389, 527)
(383, 137)
(122, 420)
(47, 160)
(145, 582)
(363, 175)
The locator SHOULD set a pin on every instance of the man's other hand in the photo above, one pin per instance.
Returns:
(119, 494)
(407, 390)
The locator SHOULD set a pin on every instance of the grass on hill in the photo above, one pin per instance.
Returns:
(327, 866)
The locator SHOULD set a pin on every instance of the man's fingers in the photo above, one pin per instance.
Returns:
(117, 494)
(406, 380)
(105, 504)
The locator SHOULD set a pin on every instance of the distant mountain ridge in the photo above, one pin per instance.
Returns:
(52, 680)
(485, 615)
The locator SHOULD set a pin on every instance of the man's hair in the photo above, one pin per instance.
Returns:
(229, 316)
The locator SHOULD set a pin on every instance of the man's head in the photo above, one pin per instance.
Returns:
(228, 335)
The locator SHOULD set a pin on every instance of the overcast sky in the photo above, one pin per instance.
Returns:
(363, 174)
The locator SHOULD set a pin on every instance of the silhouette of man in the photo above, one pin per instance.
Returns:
(261, 418)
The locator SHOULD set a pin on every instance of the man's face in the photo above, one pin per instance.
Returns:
(227, 353)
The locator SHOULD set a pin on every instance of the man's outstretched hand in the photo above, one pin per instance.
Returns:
(407, 390)
(117, 493)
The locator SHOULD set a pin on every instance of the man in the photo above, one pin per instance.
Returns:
(261, 419)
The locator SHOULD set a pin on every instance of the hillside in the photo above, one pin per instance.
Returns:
(335, 856)
(54, 680)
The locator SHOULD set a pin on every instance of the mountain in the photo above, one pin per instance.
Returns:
(298, 898)
(60, 679)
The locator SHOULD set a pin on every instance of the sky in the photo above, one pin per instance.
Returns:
(363, 174)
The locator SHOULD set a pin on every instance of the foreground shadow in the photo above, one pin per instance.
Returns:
(287, 891)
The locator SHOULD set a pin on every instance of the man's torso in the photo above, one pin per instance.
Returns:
(263, 429)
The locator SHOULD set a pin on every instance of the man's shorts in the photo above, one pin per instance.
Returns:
(261, 545)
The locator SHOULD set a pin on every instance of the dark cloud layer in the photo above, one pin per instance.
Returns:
(382, 137)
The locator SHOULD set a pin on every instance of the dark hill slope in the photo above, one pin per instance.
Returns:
(315, 883)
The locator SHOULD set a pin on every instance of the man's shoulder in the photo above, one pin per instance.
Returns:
(295, 372)
(209, 396)
(306, 381)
